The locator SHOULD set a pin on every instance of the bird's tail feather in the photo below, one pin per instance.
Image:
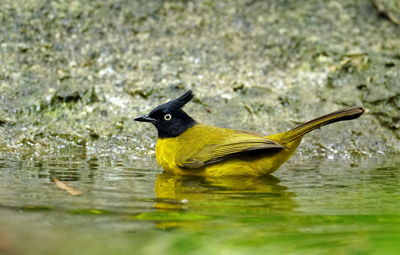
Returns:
(341, 115)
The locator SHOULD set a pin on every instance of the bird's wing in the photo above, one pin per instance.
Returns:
(232, 145)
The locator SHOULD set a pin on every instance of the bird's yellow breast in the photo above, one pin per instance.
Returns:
(261, 162)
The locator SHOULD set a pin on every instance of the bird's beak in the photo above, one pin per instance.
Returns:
(145, 118)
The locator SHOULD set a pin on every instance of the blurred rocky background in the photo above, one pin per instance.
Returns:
(74, 74)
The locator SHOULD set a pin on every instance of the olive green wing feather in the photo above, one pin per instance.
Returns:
(230, 146)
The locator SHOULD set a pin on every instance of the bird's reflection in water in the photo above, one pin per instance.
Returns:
(235, 196)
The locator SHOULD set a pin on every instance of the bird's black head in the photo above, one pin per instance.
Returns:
(169, 119)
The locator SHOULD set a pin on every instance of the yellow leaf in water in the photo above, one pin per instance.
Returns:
(67, 188)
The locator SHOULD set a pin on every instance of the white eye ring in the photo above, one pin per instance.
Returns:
(167, 117)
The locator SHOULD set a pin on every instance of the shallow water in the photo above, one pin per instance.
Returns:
(313, 206)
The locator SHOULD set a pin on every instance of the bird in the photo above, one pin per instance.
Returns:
(187, 147)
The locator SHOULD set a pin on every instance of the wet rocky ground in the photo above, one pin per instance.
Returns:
(74, 74)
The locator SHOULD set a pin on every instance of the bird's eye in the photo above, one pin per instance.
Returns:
(167, 117)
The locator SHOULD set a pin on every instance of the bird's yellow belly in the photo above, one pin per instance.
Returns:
(255, 163)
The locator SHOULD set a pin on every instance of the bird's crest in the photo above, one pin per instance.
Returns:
(176, 103)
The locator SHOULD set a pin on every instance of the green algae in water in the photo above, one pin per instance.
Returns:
(170, 216)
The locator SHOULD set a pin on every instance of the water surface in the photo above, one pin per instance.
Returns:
(312, 206)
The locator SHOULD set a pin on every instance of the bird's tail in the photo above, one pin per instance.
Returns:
(344, 114)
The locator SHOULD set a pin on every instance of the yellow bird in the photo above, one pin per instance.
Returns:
(190, 148)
